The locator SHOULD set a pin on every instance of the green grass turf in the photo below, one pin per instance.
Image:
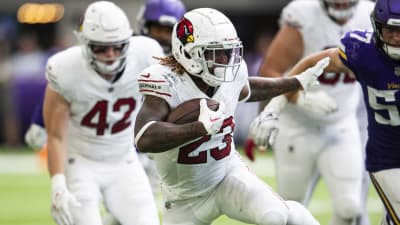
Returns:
(25, 200)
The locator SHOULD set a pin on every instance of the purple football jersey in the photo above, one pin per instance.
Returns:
(379, 77)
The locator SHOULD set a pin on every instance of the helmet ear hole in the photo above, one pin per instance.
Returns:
(187, 55)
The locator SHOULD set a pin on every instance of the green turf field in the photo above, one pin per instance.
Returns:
(25, 192)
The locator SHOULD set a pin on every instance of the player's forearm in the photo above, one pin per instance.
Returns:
(56, 156)
(267, 88)
(168, 136)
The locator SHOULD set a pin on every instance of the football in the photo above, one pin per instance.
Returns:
(189, 111)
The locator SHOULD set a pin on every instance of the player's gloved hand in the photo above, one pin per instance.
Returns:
(317, 102)
(264, 128)
(36, 136)
(61, 201)
(212, 120)
(309, 78)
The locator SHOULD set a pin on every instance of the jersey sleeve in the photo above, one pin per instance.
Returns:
(58, 75)
(154, 81)
(353, 46)
(53, 76)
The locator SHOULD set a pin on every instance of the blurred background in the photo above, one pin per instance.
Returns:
(32, 31)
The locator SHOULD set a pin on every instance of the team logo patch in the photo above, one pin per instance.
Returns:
(397, 71)
(184, 31)
(80, 25)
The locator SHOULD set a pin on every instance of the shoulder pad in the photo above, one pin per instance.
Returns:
(145, 48)
(59, 68)
(156, 80)
(297, 13)
(353, 45)
(353, 40)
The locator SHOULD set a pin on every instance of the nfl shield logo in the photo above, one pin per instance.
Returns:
(397, 71)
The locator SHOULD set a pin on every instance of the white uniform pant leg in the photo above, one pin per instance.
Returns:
(81, 181)
(240, 195)
(194, 211)
(341, 165)
(245, 197)
(129, 197)
(387, 185)
(295, 153)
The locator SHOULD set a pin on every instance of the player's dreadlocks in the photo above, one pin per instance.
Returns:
(170, 61)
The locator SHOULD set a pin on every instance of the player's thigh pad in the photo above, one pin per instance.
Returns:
(296, 150)
(128, 195)
(387, 185)
(82, 184)
(195, 211)
(245, 197)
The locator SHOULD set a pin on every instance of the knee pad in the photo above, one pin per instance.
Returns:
(299, 215)
(347, 207)
(273, 217)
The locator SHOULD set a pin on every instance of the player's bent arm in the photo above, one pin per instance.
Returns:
(56, 114)
(158, 135)
(281, 55)
(335, 66)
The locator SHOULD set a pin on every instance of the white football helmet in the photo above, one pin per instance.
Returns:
(203, 32)
(104, 24)
(340, 9)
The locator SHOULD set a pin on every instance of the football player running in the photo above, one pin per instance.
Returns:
(202, 173)
(90, 105)
(156, 19)
(374, 58)
(336, 152)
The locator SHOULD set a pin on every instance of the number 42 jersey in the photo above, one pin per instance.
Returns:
(102, 114)
(379, 77)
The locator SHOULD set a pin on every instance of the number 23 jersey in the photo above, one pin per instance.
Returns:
(102, 114)
(199, 165)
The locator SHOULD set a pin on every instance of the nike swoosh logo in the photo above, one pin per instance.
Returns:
(145, 75)
(214, 119)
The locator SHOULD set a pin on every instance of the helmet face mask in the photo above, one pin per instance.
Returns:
(222, 62)
(206, 44)
(104, 26)
(386, 15)
(340, 10)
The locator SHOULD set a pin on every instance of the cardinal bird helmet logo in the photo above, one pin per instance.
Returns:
(184, 31)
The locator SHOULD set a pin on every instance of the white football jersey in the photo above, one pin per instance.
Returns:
(195, 167)
(319, 32)
(102, 114)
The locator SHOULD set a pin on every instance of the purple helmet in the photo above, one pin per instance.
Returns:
(164, 12)
(386, 14)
